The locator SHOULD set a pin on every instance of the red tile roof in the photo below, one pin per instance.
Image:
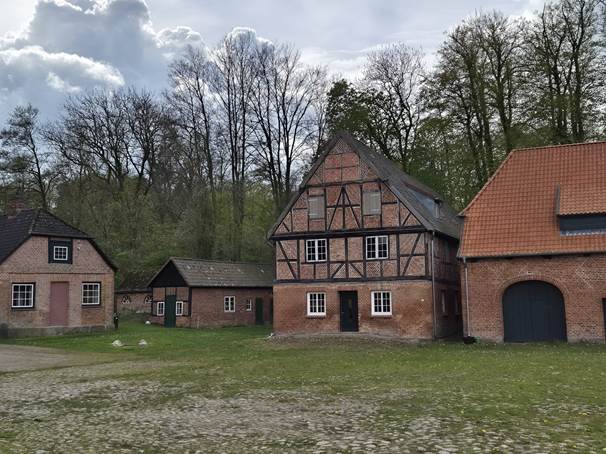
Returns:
(516, 212)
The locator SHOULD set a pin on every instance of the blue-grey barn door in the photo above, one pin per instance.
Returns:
(533, 311)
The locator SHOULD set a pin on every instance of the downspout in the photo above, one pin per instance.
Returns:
(468, 324)
(433, 290)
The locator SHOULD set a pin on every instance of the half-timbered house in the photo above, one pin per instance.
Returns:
(365, 247)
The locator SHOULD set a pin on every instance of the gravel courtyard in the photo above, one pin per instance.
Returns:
(139, 403)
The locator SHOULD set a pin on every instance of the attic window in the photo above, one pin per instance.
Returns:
(371, 201)
(316, 207)
(59, 251)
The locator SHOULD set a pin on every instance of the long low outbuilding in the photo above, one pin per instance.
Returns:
(198, 293)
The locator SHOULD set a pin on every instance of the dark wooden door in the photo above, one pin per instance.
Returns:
(259, 311)
(170, 311)
(349, 311)
(59, 304)
(533, 311)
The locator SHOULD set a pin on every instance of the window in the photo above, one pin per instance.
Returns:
(91, 294)
(381, 303)
(125, 299)
(229, 304)
(371, 201)
(444, 303)
(179, 308)
(315, 250)
(160, 309)
(249, 304)
(316, 207)
(316, 304)
(377, 247)
(23, 296)
(60, 253)
(148, 299)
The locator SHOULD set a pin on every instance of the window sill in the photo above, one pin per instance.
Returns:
(19, 309)
(91, 305)
(316, 316)
(381, 316)
(376, 260)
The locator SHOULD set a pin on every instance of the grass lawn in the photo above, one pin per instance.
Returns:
(234, 390)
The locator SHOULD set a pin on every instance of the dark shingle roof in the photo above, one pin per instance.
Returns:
(15, 229)
(419, 198)
(212, 273)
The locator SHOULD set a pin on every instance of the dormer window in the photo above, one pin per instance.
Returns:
(59, 251)
(316, 207)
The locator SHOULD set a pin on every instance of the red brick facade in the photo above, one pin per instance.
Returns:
(30, 264)
(416, 281)
(207, 306)
(131, 301)
(580, 278)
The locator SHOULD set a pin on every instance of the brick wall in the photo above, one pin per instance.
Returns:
(129, 302)
(207, 308)
(411, 309)
(581, 279)
(29, 264)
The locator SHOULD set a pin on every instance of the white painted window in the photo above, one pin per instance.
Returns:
(23, 295)
(179, 308)
(316, 304)
(316, 207)
(371, 201)
(160, 308)
(315, 250)
(229, 304)
(381, 303)
(377, 247)
(91, 294)
(249, 304)
(60, 253)
(444, 303)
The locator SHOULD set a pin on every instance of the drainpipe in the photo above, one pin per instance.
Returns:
(468, 331)
(433, 290)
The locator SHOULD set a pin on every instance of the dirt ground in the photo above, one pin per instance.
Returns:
(16, 358)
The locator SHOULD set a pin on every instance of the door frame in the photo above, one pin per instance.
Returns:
(356, 326)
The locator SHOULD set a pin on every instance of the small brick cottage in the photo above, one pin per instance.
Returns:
(53, 277)
(534, 248)
(205, 293)
(365, 247)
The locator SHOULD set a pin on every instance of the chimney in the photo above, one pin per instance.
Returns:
(15, 206)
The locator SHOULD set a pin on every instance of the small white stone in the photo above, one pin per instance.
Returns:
(117, 343)
(142, 343)
(147, 322)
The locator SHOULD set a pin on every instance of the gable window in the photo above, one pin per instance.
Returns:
(315, 250)
(316, 304)
(179, 308)
(381, 303)
(249, 304)
(229, 304)
(23, 296)
(91, 294)
(377, 247)
(59, 251)
(160, 308)
(316, 207)
(371, 201)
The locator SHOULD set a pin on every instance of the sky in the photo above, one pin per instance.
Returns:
(53, 48)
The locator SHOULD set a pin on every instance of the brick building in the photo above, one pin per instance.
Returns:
(204, 293)
(534, 248)
(53, 277)
(364, 247)
(132, 294)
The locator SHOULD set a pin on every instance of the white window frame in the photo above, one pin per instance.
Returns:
(179, 304)
(229, 304)
(310, 297)
(249, 303)
(367, 206)
(32, 291)
(381, 294)
(315, 248)
(376, 240)
(322, 208)
(61, 248)
(84, 297)
(160, 308)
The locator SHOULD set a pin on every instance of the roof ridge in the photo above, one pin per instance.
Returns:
(559, 145)
(220, 261)
(39, 210)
